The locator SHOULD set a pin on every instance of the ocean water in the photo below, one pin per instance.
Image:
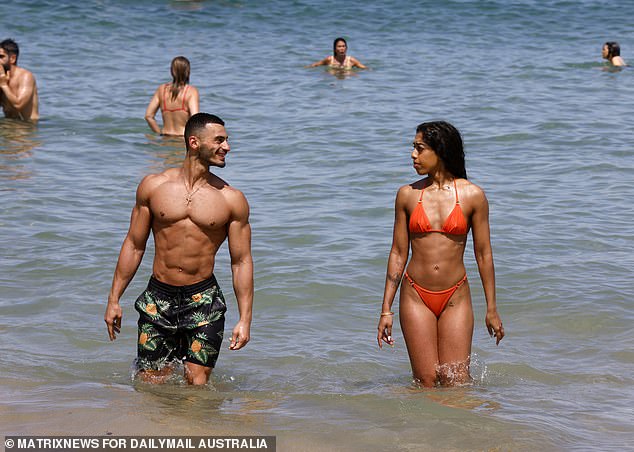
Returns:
(548, 134)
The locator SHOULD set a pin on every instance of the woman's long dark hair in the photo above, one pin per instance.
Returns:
(614, 49)
(446, 142)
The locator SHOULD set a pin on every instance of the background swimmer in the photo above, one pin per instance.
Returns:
(18, 90)
(178, 101)
(339, 59)
(612, 52)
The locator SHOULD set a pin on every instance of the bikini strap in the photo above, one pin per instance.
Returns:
(455, 187)
(420, 198)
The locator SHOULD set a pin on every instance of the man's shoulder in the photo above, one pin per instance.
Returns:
(23, 74)
(227, 190)
(221, 185)
(235, 199)
(152, 181)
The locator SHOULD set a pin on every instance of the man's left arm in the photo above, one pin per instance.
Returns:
(239, 237)
(24, 93)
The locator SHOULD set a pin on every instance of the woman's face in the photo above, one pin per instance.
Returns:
(340, 48)
(423, 156)
(605, 51)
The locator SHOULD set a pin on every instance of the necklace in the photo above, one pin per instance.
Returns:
(190, 194)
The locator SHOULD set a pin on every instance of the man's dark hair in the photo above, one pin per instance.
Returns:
(198, 122)
(11, 47)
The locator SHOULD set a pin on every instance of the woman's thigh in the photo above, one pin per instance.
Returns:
(420, 331)
(455, 328)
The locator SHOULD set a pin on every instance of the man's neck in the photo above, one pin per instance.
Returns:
(194, 169)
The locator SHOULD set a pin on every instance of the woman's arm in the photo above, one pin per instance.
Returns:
(193, 103)
(357, 63)
(151, 110)
(484, 258)
(395, 266)
(324, 62)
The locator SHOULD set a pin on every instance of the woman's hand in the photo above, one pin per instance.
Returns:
(385, 330)
(494, 325)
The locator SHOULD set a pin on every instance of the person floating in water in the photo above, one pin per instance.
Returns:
(433, 217)
(612, 52)
(339, 59)
(18, 90)
(190, 213)
(178, 101)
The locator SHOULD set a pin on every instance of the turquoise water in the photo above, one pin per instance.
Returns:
(548, 135)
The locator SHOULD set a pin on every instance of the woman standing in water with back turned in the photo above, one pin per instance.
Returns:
(434, 216)
(339, 59)
(178, 101)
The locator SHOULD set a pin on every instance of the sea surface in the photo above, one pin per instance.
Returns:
(549, 136)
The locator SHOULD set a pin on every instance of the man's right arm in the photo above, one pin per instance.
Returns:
(24, 91)
(130, 256)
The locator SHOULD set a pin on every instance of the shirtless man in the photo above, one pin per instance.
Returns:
(18, 91)
(190, 212)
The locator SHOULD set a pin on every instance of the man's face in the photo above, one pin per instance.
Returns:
(213, 145)
(6, 59)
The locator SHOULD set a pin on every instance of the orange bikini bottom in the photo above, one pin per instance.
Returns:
(435, 301)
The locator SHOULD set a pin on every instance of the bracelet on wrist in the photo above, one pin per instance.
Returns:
(383, 314)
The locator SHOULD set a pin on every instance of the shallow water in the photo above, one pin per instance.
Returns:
(548, 136)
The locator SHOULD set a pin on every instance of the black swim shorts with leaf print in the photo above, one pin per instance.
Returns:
(180, 323)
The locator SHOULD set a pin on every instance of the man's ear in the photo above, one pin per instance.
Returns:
(194, 143)
(12, 59)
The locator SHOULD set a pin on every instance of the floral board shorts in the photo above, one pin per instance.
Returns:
(180, 323)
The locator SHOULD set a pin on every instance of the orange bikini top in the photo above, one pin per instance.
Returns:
(182, 107)
(455, 223)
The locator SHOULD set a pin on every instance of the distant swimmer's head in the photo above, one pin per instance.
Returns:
(180, 70)
(10, 49)
(339, 47)
(446, 142)
(206, 136)
(610, 50)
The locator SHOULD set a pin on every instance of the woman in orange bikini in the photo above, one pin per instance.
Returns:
(177, 101)
(433, 216)
(339, 60)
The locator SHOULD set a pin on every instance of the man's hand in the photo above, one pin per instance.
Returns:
(4, 77)
(240, 335)
(113, 319)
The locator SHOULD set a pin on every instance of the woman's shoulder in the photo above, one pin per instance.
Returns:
(410, 190)
(470, 192)
(412, 186)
